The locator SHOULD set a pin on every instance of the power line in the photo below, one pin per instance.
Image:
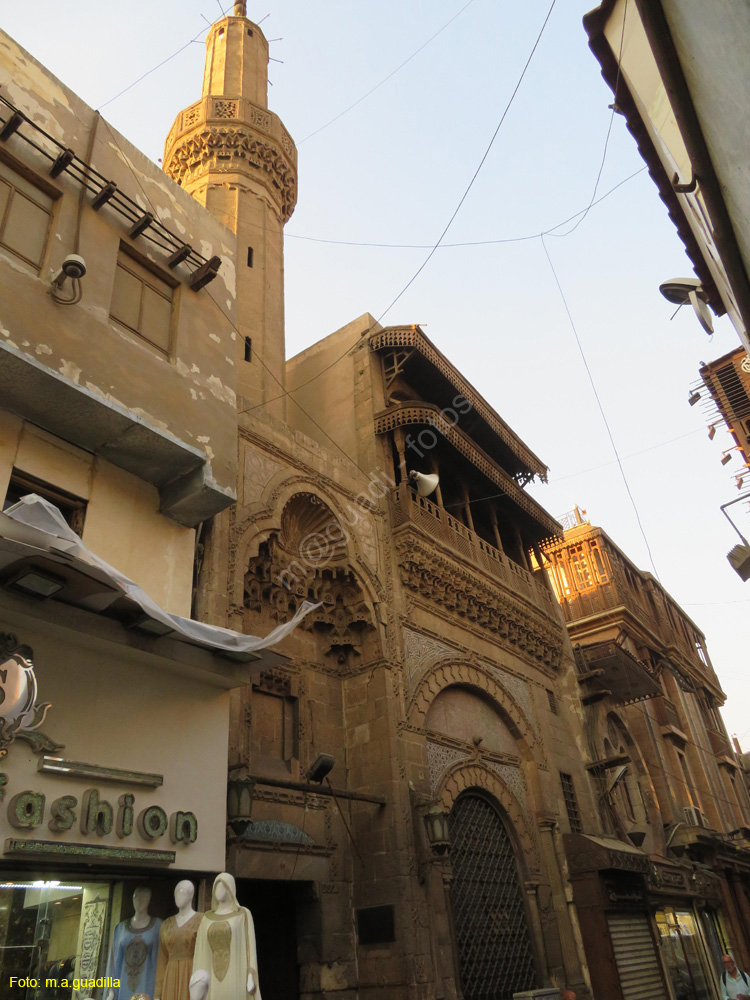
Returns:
(162, 63)
(471, 243)
(609, 132)
(386, 78)
(601, 408)
(445, 230)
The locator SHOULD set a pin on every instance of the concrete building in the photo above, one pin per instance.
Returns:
(117, 411)
(664, 904)
(678, 70)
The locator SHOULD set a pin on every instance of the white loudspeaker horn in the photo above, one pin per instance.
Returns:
(425, 485)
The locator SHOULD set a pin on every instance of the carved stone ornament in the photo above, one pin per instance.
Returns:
(229, 149)
(309, 560)
(426, 573)
(20, 715)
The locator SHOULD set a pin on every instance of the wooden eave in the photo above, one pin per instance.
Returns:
(419, 414)
(413, 337)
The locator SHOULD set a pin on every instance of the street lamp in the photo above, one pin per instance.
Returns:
(438, 836)
(739, 557)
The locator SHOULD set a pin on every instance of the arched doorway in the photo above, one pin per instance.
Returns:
(495, 954)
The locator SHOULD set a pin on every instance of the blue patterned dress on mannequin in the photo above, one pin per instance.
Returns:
(133, 957)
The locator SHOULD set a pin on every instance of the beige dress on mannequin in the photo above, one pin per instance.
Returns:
(175, 963)
(225, 946)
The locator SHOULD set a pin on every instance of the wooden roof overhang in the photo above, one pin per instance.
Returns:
(420, 414)
(496, 432)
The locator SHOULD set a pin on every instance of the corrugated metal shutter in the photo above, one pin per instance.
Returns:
(635, 955)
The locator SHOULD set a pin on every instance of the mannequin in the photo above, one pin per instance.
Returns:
(132, 957)
(199, 983)
(176, 946)
(225, 946)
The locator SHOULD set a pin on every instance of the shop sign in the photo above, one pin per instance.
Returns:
(20, 719)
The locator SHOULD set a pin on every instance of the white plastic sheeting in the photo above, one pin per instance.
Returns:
(35, 527)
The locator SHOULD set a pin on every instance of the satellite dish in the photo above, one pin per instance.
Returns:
(424, 485)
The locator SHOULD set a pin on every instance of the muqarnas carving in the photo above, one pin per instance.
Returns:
(308, 559)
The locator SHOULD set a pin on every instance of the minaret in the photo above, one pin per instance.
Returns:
(236, 158)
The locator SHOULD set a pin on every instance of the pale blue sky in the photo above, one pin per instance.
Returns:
(393, 169)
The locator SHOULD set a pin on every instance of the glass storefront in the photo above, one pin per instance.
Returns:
(56, 933)
(684, 954)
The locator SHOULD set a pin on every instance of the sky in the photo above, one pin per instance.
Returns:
(430, 81)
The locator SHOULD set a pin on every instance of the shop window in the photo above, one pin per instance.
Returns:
(25, 215)
(684, 952)
(56, 928)
(72, 508)
(571, 803)
(142, 301)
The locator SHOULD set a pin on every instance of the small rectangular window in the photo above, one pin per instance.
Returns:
(571, 803)
(72, 508)
(552, 701)
(142, 302)
(376, 925)
(25, 215)
(248, 348)
(249, 256)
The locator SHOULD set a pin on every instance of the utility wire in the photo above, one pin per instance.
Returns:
(601, 408)
(386, 78)
(162, 63)
(609, 132)
(473, 243)
(445, 230)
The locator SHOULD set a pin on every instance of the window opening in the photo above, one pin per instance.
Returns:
(142, 302)
(25, 215)
(248, 348)
(72, 508)
(249, 256)
(571, 803)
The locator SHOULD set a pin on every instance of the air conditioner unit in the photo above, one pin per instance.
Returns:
(693, 816)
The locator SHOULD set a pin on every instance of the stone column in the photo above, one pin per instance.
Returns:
(447, 874)
(536, 929)
(571, 962)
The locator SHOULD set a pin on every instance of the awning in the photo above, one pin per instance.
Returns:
(34, 534)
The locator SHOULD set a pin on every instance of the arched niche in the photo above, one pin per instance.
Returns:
(469, 715)
(307, 557)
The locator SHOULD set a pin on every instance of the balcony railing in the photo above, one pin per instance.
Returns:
(407, 506)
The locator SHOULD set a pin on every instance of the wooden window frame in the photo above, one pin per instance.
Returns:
(127, 253)
(16, 167)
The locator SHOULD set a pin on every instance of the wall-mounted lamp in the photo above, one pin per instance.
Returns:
(438, 834)
(321, 768)
(36, 583)
(726, 457)
(151, 626)
(711, 432)
(693, 398)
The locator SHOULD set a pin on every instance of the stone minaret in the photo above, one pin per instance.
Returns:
(236, 158)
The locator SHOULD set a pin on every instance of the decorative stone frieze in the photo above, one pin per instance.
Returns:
(439, 580)
(229, 149)
(439, 759)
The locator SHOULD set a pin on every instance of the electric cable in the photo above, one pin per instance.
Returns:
(162, 63)
(609, 132)
(469, 243)
(386, 78)
(447, 227)
(600, 406)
